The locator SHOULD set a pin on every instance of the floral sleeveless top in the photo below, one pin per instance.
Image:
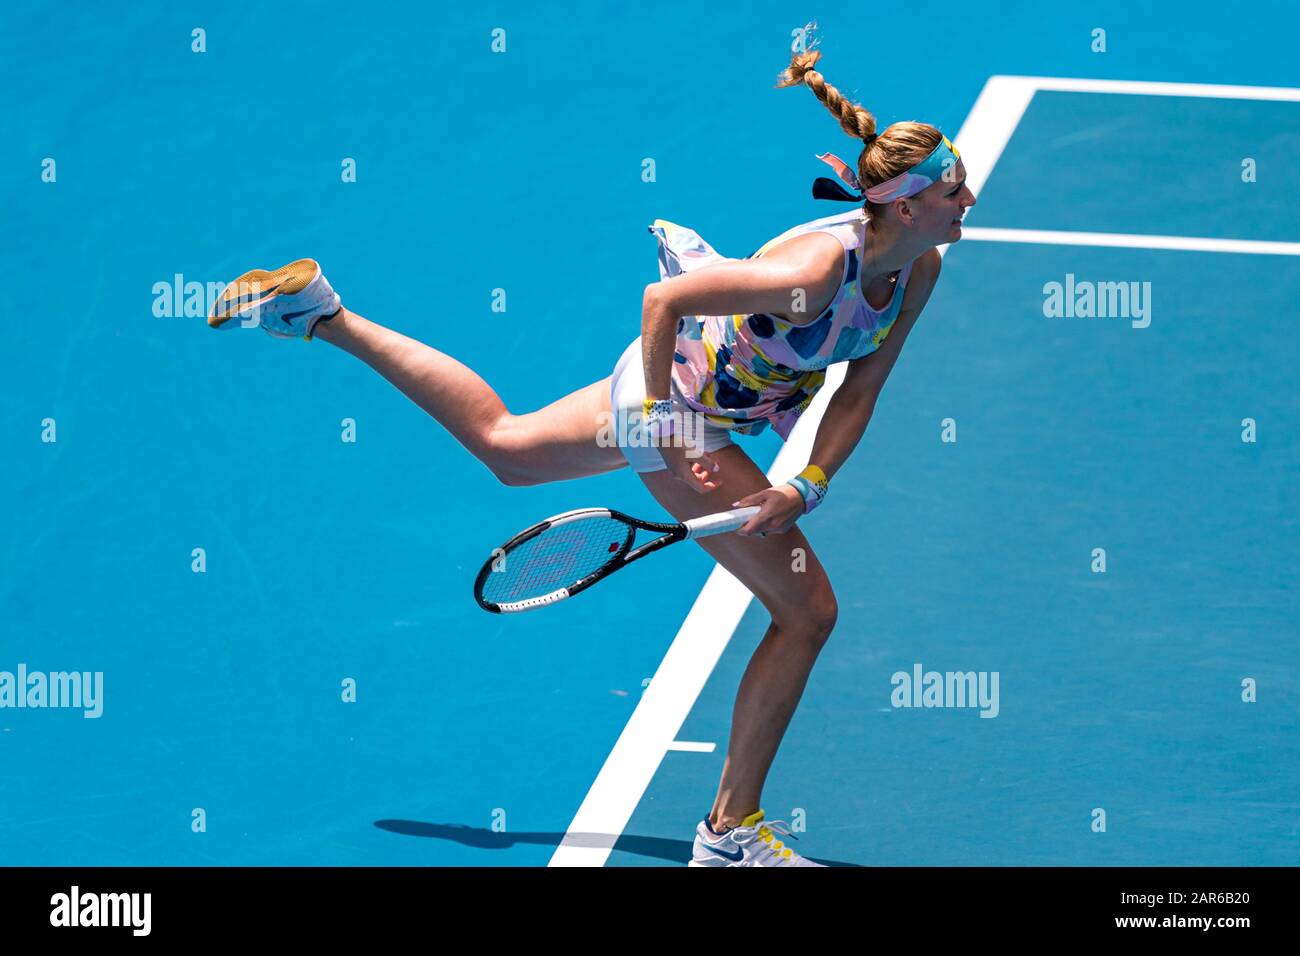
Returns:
(743, 372)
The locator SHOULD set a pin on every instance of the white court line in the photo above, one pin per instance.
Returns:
(1121, 240)
(651, 731)
(1140, 88)
(694, 746)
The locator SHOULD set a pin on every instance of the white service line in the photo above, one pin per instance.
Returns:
(1122, 240)
(651, 731)
(694, 746)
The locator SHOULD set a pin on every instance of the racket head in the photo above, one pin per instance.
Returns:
(553, 560)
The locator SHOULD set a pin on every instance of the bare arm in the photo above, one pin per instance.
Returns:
(798, 271)
(854, 402)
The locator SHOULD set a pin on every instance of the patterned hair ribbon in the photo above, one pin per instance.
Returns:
(824, 188)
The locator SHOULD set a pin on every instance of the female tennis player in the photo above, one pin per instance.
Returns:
(731, 346)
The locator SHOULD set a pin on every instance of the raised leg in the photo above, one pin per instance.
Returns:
(552, 444)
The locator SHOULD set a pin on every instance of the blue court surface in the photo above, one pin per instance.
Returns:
(1163, 691)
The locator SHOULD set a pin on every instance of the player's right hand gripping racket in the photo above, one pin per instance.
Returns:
(558, 557)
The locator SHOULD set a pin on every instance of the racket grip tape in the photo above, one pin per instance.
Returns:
(719, 523)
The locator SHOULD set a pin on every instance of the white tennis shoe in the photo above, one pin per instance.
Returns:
(286, 302)
(753, 843)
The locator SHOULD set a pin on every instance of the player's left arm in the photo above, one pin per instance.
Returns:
(852, 405)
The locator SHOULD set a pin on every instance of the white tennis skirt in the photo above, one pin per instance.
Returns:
(627, 398)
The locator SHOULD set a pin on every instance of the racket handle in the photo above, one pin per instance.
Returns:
(719, 523)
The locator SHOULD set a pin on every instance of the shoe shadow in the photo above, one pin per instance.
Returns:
(676, 852)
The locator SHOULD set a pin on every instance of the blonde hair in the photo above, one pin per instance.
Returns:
(900, 147)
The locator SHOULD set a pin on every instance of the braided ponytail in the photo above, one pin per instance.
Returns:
(856, 121)
(900, 147)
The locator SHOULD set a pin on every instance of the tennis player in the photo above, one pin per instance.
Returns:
(727, 347)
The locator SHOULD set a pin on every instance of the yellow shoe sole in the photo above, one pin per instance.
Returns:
(259, 286)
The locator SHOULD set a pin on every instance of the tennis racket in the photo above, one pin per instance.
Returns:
(564, 555)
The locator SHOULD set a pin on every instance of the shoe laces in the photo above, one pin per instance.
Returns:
(767, 831)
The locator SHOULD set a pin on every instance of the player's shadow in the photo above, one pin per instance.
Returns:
(655, 848)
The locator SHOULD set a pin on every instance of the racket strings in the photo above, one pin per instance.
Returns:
(558, 557)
